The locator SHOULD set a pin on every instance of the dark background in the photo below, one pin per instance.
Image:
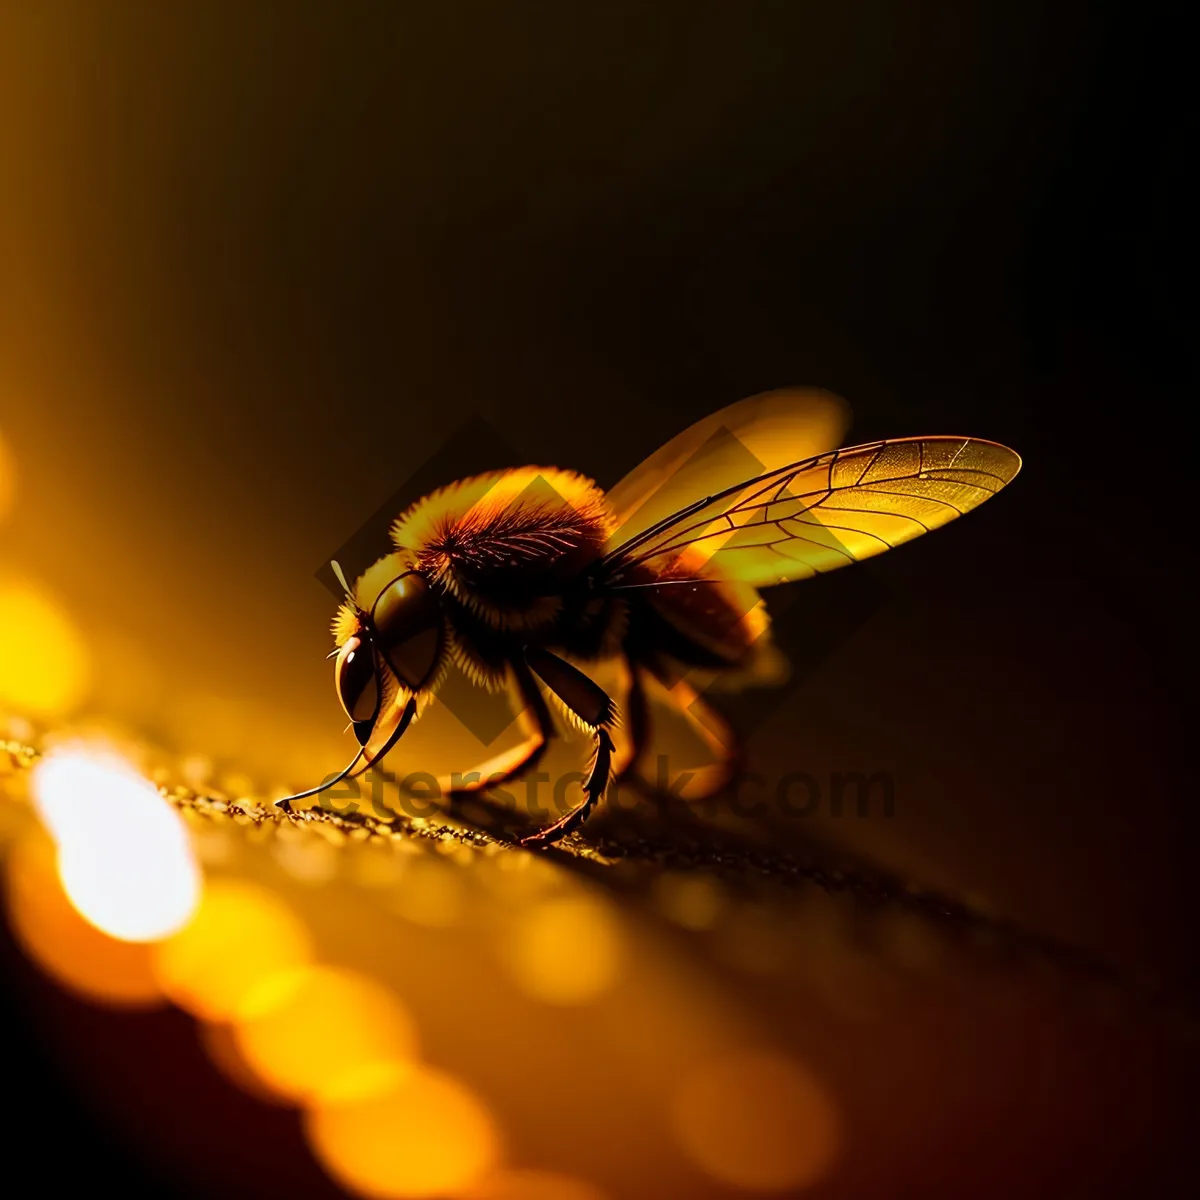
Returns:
(291, 253)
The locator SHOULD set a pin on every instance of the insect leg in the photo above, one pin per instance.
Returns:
(523, 757)
(717, 734)
(637, 719)
(592, 706)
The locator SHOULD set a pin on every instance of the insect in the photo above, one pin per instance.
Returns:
(527, 577)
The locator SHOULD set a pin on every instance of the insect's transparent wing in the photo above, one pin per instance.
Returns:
(750, 438)
(814, 516)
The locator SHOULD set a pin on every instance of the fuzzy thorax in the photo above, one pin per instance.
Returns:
(502, 545)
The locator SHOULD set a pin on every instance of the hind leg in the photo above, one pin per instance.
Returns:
(716, 733)
(591, 706)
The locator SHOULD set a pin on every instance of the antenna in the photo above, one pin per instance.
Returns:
(337, 570)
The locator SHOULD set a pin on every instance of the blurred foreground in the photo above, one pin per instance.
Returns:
(627, 1016)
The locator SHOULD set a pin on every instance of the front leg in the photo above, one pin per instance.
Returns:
(592, 707)
(522, 758)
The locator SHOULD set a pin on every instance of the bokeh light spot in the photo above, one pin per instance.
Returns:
(8, 478)
(429, 893)
(240, 941)
(565, 951)
(320, 1031)
(757, 1121)
(419, 1134)
(693, 901)
(54, 934)
(123, 852)
(220, 1044)
(46, 663)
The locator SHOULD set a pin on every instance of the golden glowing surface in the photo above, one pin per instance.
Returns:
(341, 1043)
(418, 1134)
(288, 1021)
(757, 1122)
(429, 893)
(452, 1017)
(565, 951)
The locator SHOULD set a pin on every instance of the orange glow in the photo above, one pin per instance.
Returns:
(123, 854)
(46, 664)
(222, 1049)
(320, 1031)
(305, 855)
(758, 1122)
(63, 944)
(419, 1133)
(533, 1185)
(566, 951)
(376, 865)
(693, 901)
(430, 893)
(240, 941)
(8, 479)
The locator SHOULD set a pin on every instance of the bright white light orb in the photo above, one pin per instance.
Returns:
(123, 853)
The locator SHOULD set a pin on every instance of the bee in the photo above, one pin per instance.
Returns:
(528, 577)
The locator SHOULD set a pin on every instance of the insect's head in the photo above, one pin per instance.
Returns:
(402, 632)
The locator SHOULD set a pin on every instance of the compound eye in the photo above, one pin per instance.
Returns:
(407, 623)
(357, 685)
